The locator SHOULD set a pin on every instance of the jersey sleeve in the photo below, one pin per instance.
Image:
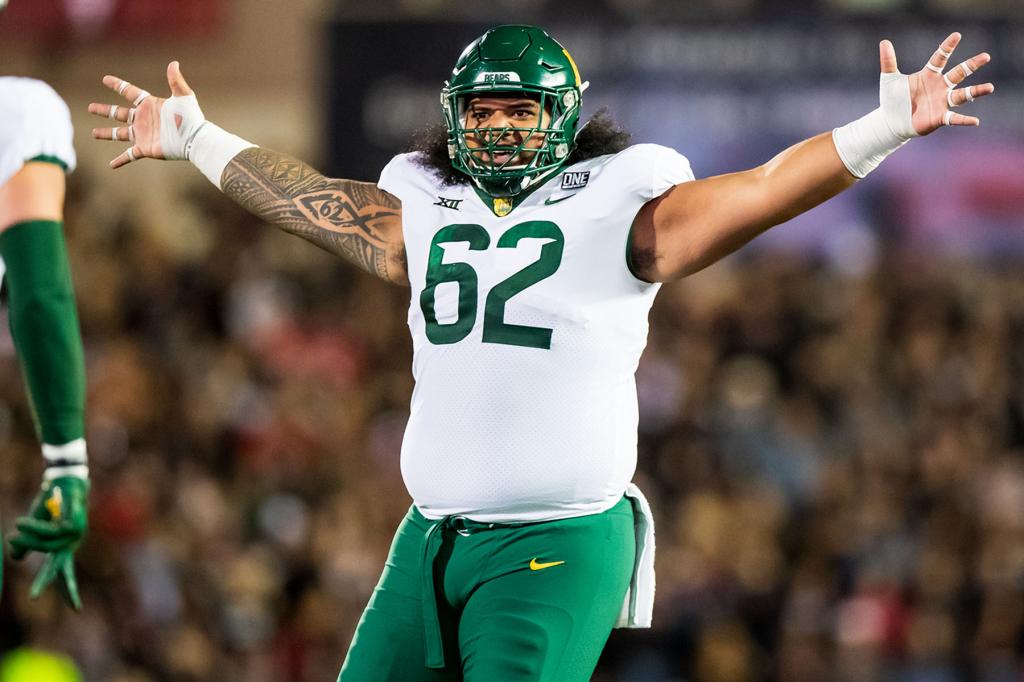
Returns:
(399, 177)
(35, 125)
(666, 168)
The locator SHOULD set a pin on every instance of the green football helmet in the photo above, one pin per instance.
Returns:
(513, 60)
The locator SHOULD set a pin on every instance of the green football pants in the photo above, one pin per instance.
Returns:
(462, 600)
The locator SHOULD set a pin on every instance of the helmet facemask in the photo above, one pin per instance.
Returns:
(473, 150)
(513, 61)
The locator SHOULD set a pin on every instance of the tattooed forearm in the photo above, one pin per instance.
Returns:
(355, 220)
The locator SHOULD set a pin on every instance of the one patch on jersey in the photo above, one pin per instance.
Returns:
(448, 203)
(575, 179)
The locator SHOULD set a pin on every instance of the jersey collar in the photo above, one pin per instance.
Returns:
(502, 206)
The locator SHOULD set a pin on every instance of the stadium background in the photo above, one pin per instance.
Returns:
(832, 420)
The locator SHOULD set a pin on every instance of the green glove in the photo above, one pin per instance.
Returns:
(55, 526)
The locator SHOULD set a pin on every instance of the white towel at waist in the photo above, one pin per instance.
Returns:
(638, 606)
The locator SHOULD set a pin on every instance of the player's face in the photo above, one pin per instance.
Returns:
(514, 116)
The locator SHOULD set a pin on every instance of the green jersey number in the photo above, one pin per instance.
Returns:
(496, 330)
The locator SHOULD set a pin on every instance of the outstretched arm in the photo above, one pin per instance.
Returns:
(697, 223)
(355, 220)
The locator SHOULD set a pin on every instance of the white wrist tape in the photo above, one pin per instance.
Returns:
(78, 471)
(69, 459)
(186, 134)
(864, 143)
(212, 148)
(180, 120)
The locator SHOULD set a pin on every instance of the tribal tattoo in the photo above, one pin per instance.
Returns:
(355, 220)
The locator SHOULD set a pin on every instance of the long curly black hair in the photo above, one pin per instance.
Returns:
(599, 136)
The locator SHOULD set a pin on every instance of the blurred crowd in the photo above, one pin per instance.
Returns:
(832, 456)
(673, 9)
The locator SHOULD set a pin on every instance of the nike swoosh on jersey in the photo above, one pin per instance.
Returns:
(549, 200)
(537, 566)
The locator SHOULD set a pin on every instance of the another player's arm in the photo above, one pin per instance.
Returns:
(696, 223)
(355, 220)
(36, 192)
(44, 326)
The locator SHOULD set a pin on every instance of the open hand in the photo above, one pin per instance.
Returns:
(934, 94)
(157, 127)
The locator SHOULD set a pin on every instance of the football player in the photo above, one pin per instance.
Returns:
(533, 248)
(35, 154)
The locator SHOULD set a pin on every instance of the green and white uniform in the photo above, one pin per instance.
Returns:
(515, 560)
(35, 124)
(527, 330)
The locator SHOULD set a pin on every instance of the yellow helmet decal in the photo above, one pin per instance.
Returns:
(575, 71)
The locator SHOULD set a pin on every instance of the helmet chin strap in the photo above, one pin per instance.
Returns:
(525, 183)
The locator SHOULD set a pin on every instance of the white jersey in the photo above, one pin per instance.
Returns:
(34, 123)
(527, 330)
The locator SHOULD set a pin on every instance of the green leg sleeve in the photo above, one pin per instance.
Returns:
(44, 324)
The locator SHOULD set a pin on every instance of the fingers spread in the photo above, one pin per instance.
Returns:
(958, 73)
(113, 111)
(129, 155)
(972, 92)
(179, 88)
(951, 118)
(122, 133)
(937, 62)
(124, 88)
(887, 57)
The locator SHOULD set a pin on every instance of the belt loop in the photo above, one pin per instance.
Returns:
(431, 623)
